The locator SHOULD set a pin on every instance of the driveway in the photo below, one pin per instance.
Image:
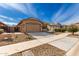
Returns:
(41, 34)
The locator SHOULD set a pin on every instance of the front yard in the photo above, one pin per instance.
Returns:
(42, 50)
(16, 38)
(57, 47)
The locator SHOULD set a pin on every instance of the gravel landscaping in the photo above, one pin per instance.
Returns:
(42, 50)
(18, 38)
(47, 50)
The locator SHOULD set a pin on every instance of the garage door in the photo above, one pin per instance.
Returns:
(30, 27)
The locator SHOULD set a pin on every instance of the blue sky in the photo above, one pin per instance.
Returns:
(64, 13)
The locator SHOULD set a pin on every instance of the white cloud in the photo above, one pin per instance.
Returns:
(6, 22)
(2, 16)
(10, 23)
(27, 9)
(2, 20)
(4, 6)
(74, 19)
(18, 7)
(74, 16)
(70, 12)
(31, 10)
(54, 17)
(7, 18)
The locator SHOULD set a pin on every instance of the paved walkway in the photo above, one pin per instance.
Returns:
(14, 48)
(65, 43)
(74, 51)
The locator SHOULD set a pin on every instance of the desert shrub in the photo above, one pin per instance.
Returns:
(1, 31)
(30, 37)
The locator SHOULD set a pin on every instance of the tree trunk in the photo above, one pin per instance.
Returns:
(72, 33)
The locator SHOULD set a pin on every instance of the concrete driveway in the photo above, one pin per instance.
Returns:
(41, 34)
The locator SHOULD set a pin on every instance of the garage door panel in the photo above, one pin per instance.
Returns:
(33, 28)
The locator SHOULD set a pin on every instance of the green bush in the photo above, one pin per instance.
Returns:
(63, 30)
(60, 30)
(1, 31)
(57, 30)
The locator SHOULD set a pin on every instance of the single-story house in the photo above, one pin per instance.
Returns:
(76, 25)
(52, 27)
(3, 26)
(13, 29)
(26, 25)
(30, 25)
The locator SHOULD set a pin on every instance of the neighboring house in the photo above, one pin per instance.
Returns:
(30, 25)
(76, 24)
(52, 27)
(44, 27)
(3, 26)
(13, 29)
(66, 26)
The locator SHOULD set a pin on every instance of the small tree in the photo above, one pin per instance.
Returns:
(73, 29)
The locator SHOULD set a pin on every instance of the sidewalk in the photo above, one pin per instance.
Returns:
(18, 47)
(65, 43)
(74, 51)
